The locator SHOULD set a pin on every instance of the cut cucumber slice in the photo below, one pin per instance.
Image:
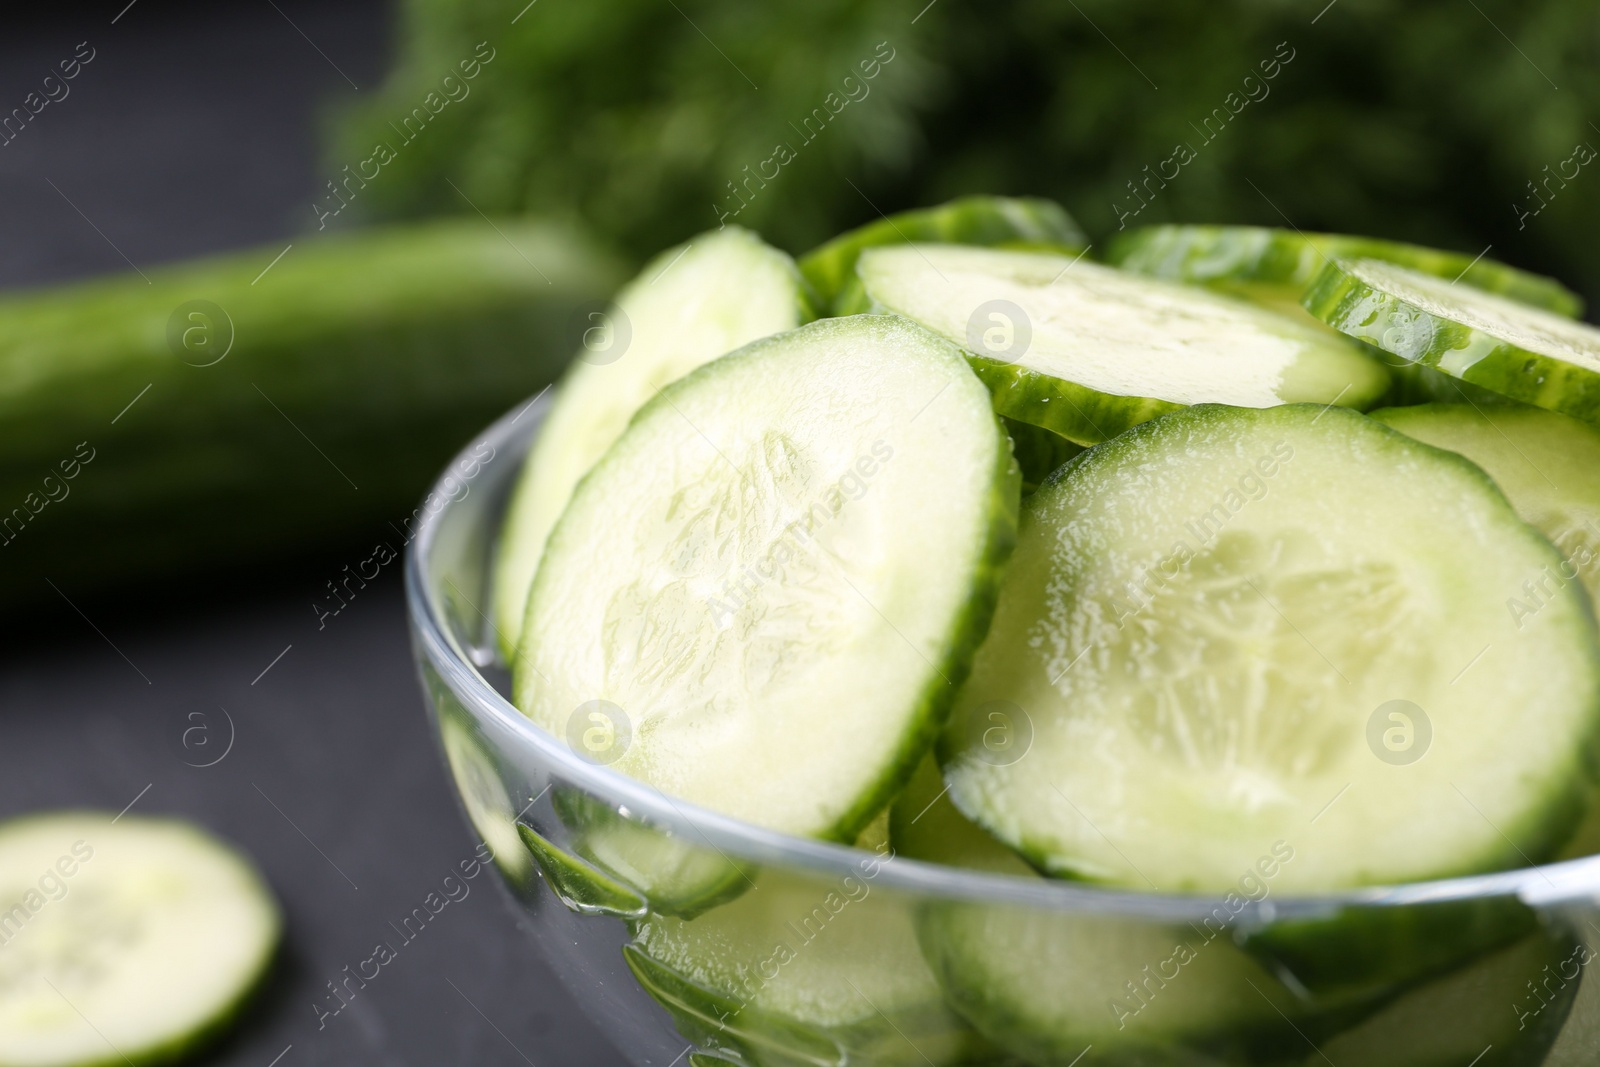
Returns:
(776, 577)
(1048, 985)
(1258, 260)
(637, 867)
(1205, 626)
(1364, 951)
(1505, 1010)
(800, 965)
(689, 306)
(1274, 268)
(1088, 351)
(996, 221)
(580, 887)
(482, 792)
(674, 875)
(1518, 351)
(134, 940)
(1547, 465)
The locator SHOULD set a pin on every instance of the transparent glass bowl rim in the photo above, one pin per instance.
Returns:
(1544, 885)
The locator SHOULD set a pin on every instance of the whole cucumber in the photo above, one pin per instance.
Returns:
(223, 410)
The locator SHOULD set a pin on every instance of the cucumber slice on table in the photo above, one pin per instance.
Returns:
(1205, 626)
(133, 940)
(996, 221)
(1259, 260)
(1518, 351)
(1048, 985)
(777, 575)
(689, 306)
(1088, 351)
(801, 970)
(1549, 468)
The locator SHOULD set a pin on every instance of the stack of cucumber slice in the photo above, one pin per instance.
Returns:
(1111, 553)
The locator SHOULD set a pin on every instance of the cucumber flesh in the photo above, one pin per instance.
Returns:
(130, 940)
(995, 221)
(483, 795)
(1547, 465)
(673, 875)
(580, 887)
(1486, 1014)
(1359, 952)
(1274, 268)
(836, 961)
(1088, 351)
(1048, 985)
(689, 306)
(1521, 352)
(853, 477)
(1204, 623)
(1261, 260)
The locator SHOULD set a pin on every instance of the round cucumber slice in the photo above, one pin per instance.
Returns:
(1504, 1010)
(1518, 351)
(1261, 261)
(128, 941)
(1274, 268)
(674, 875)
(483, 794)
(1549, 468)
(1207, 626)
(1088, 351)
(580, 887)
(689, 306)
(837, 962)
(996, 221)
(1047, 985)
(1363, 951)
(775, 578)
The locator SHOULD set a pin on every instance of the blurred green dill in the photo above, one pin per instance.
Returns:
(1423, 121)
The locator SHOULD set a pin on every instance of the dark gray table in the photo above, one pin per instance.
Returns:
(192, 130)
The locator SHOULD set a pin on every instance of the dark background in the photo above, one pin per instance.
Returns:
(194, 129)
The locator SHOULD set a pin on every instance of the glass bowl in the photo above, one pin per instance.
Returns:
(691, 937)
